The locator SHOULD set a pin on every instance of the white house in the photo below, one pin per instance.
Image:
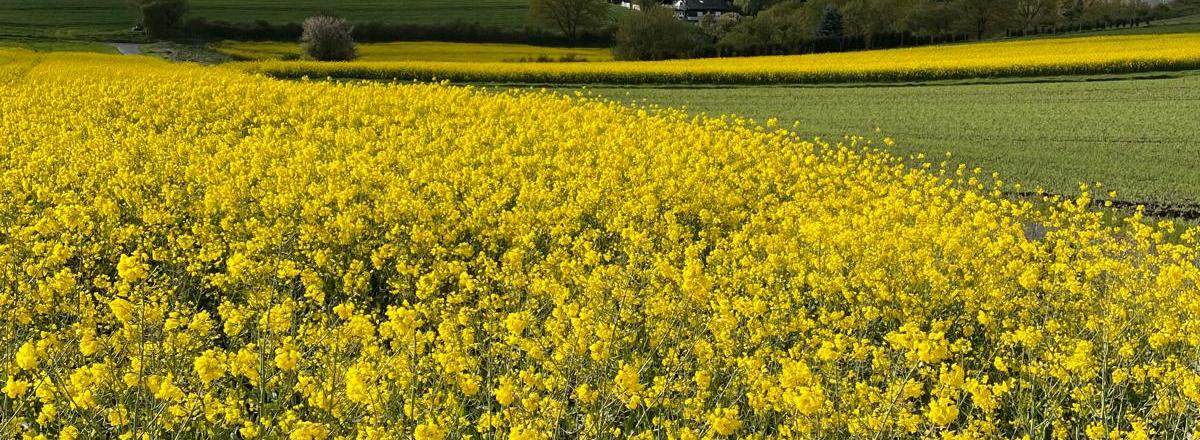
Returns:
(690, 10)
(627, 4)
(693, 10)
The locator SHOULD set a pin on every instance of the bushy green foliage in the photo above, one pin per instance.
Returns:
(870, 18)
(717, 26)
(930, 17)
(655, 34)
(752, 7)
(831, 22)
(161, 18)
(772, 26)
(774, 30)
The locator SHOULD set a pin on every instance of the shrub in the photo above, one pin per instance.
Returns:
(161, 18)
(655, 34)
(328, 38)
(781, 29)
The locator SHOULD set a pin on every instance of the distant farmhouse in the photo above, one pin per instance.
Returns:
(690, 10)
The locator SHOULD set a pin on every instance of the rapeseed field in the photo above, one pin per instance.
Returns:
(194, 252)
(1019, 58)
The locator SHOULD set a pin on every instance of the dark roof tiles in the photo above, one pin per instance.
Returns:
(704, 4)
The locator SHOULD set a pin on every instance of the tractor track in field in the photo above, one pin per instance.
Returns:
(128, 48)
(1155, 209)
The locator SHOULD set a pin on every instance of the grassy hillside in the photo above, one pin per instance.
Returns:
(58, 46)
(1178, 25)
(63, 18)
(496, 12)
(1140, 137)
(103, 18)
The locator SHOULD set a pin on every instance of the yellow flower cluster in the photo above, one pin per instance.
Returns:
(196, 252)
(1035, 57)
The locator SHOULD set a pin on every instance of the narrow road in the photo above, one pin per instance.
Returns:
(128, 48)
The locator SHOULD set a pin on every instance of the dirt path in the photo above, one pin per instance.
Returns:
(128, 48)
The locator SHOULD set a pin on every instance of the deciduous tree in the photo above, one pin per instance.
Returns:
(931, 18)
(869, 18)
(831, 22)
(328, 38)
(981, 17)
(1032, 13)
(655, 34)
(161, 18)
(571, 17)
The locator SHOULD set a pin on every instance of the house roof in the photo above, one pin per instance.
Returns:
(722, 5)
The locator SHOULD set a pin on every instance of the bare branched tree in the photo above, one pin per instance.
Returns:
(328, 38)
(570, 16)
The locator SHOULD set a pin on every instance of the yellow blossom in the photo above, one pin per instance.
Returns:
(27, 356)
(15, 388)
(322, 259)
(942, 411)
(725, 421)
(429, 431)
(287, 358)
(209, 366)
(131, 268)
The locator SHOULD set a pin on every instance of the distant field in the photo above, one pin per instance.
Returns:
(1178, 25)
(58, 46)
(1138, 136)
(421, 51)
(106, 18)
(63, 18)
(1023, 58)
(1190, 19)
(495, 12)
(1156, 29)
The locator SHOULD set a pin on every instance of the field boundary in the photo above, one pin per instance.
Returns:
(488, 72)
(1100, 77)
(994, 61)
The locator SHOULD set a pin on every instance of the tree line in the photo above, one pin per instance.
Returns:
(168, 19)
(767, 27)
(756, 27)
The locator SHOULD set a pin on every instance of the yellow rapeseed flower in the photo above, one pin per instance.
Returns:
(319, 259)
(27, 356)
